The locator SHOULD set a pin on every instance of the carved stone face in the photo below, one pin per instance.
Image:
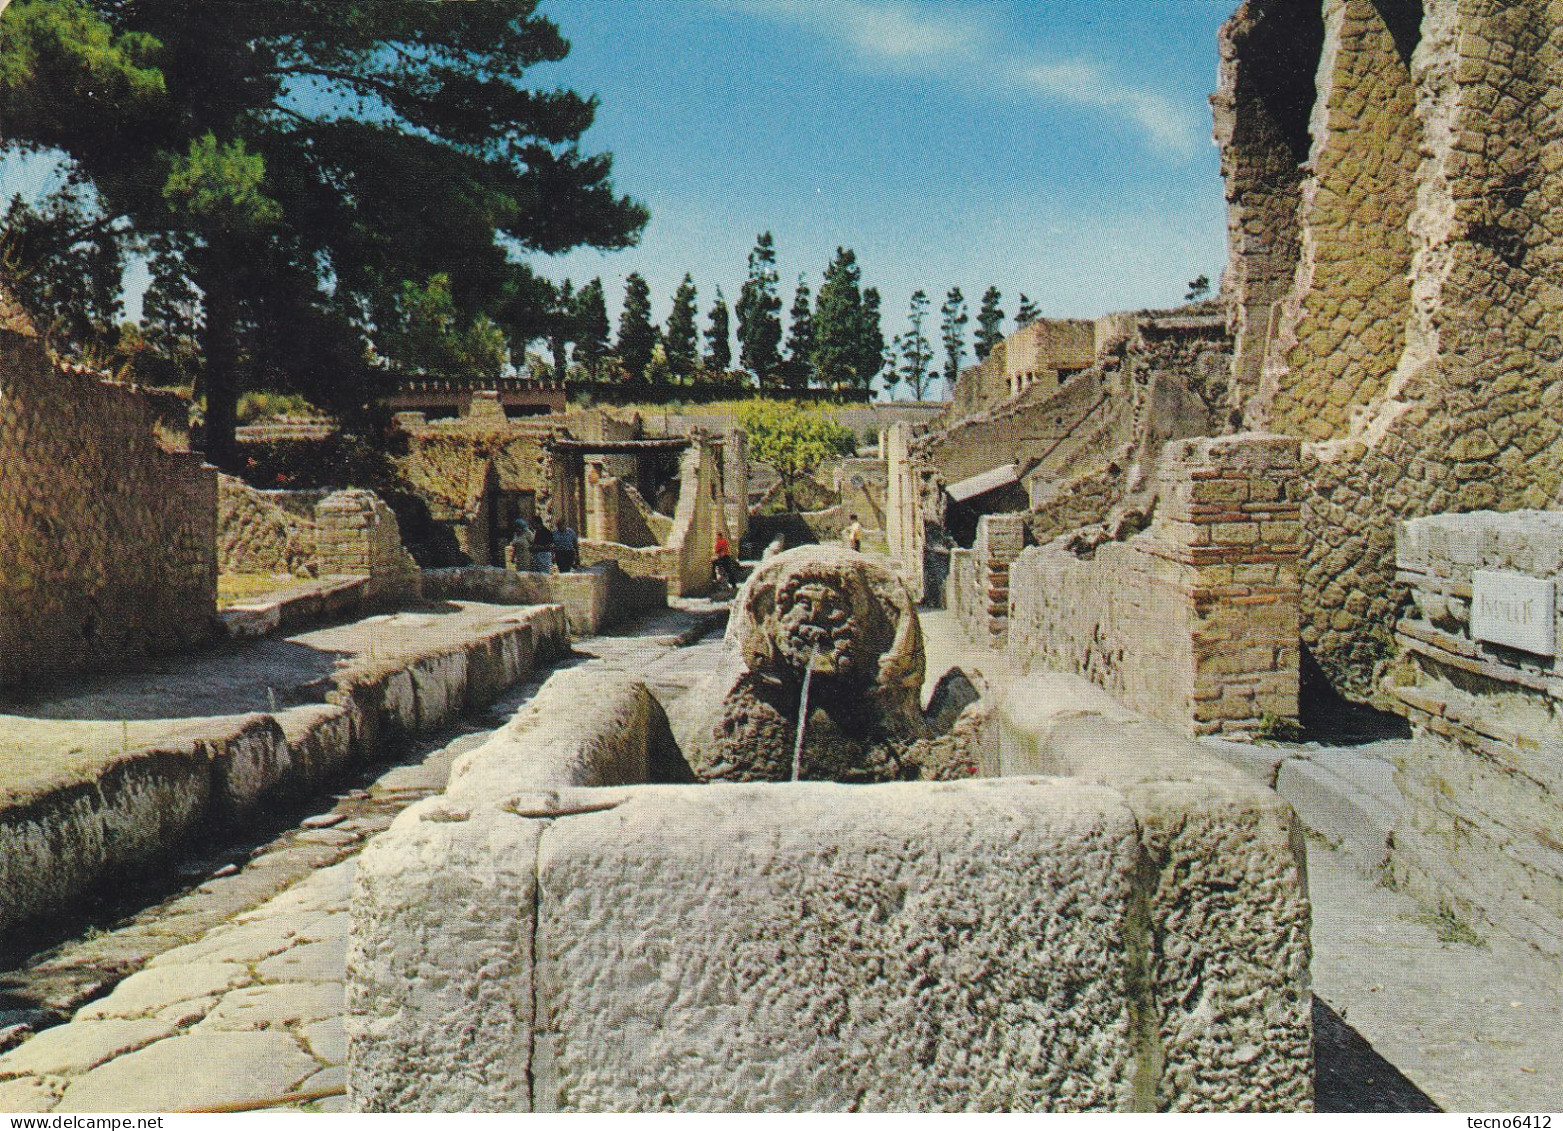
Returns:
(812, 614)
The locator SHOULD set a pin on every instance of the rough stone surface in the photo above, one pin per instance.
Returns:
(1226, 893)
(820, 948)
(193, 1071)
(108, 545)
(856, 619)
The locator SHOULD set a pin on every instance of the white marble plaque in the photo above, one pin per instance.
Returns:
(1513, 609)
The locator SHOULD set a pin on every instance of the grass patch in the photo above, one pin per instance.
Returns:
(1450, 926)
(233, 588)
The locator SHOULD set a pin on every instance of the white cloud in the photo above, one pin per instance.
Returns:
(965, 46)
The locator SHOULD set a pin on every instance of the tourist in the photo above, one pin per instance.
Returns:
(567, 548)
(724, 563)
(542, 546)
(854, 534)
(521, 545)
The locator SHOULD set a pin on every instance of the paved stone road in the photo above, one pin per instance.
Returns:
(237, 998)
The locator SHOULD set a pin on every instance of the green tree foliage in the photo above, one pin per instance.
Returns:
(561, 327)
(1199, 287)
(637, 336)
(990, 319)
(591, 329)
(681, 338)
(300, 160)
(793, 440)
(63, 260)
(800, 340)
(914, 349)
(430, 335)
(871, 340)
(719, 337)
(838, 323)
(952, 330)
(759, 313)
(1027, 314)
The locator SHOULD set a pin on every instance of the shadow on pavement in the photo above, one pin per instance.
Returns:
(1349, 1076)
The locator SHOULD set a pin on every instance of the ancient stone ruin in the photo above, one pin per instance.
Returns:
(848, 622)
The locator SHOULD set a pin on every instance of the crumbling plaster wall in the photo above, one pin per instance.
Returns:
(1464, 414)
(108, 543)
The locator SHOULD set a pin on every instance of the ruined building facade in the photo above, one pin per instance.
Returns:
(1394, 177)
(108, 542)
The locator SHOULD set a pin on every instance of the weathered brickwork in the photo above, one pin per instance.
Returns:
(359, 536)
(1343, 326)
(1450, 402)
(1193, 621)
(978, 591)
(1481, 780)
(108, 543)
(1262, 107)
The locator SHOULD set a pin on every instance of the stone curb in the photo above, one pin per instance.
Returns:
(56, 846)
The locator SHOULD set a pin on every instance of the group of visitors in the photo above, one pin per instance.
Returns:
(538, 549)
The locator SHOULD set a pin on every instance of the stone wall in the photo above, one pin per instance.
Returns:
(359, 537)
(904, 532)
(547, 936)
(1193, 621)
(108, 543)
(978, 591)
(1431, 395)
(861, 485)
(265, 532)
(593, 599)
(1482, 783)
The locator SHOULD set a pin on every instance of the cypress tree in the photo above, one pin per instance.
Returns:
(682, 341)
(637, 337)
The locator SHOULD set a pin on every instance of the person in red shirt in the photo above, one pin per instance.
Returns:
(724, 563)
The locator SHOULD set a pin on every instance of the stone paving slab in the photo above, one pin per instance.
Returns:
(250, 1008)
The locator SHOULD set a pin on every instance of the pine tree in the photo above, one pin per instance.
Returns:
(719, 342)
(915, 350)
(838, 323)
(305, 161)
(989, 319)
(591, 329)
(1027, 314)
(759, 313)
(798, 367)
(561, 330)
(682, 340)
(637, 336)
(871, 341)
(952, 329)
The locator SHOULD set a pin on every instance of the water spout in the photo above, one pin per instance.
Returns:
(803, 713)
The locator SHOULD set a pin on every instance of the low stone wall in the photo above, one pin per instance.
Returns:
(798, 528)
(359, 536)
(1131, 938)
(265, 532)
(1478, 676)
(593, 599)
(1225, 889)
(333, 598)
(1193, 621)
(60, 840)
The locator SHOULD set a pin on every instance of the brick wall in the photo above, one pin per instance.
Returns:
(108, 543)
(1193, 621)
(359, 536)
(978, 591)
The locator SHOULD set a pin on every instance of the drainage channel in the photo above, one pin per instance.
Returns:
(50, 972)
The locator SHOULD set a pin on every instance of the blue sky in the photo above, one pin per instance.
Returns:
(1060, 149)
